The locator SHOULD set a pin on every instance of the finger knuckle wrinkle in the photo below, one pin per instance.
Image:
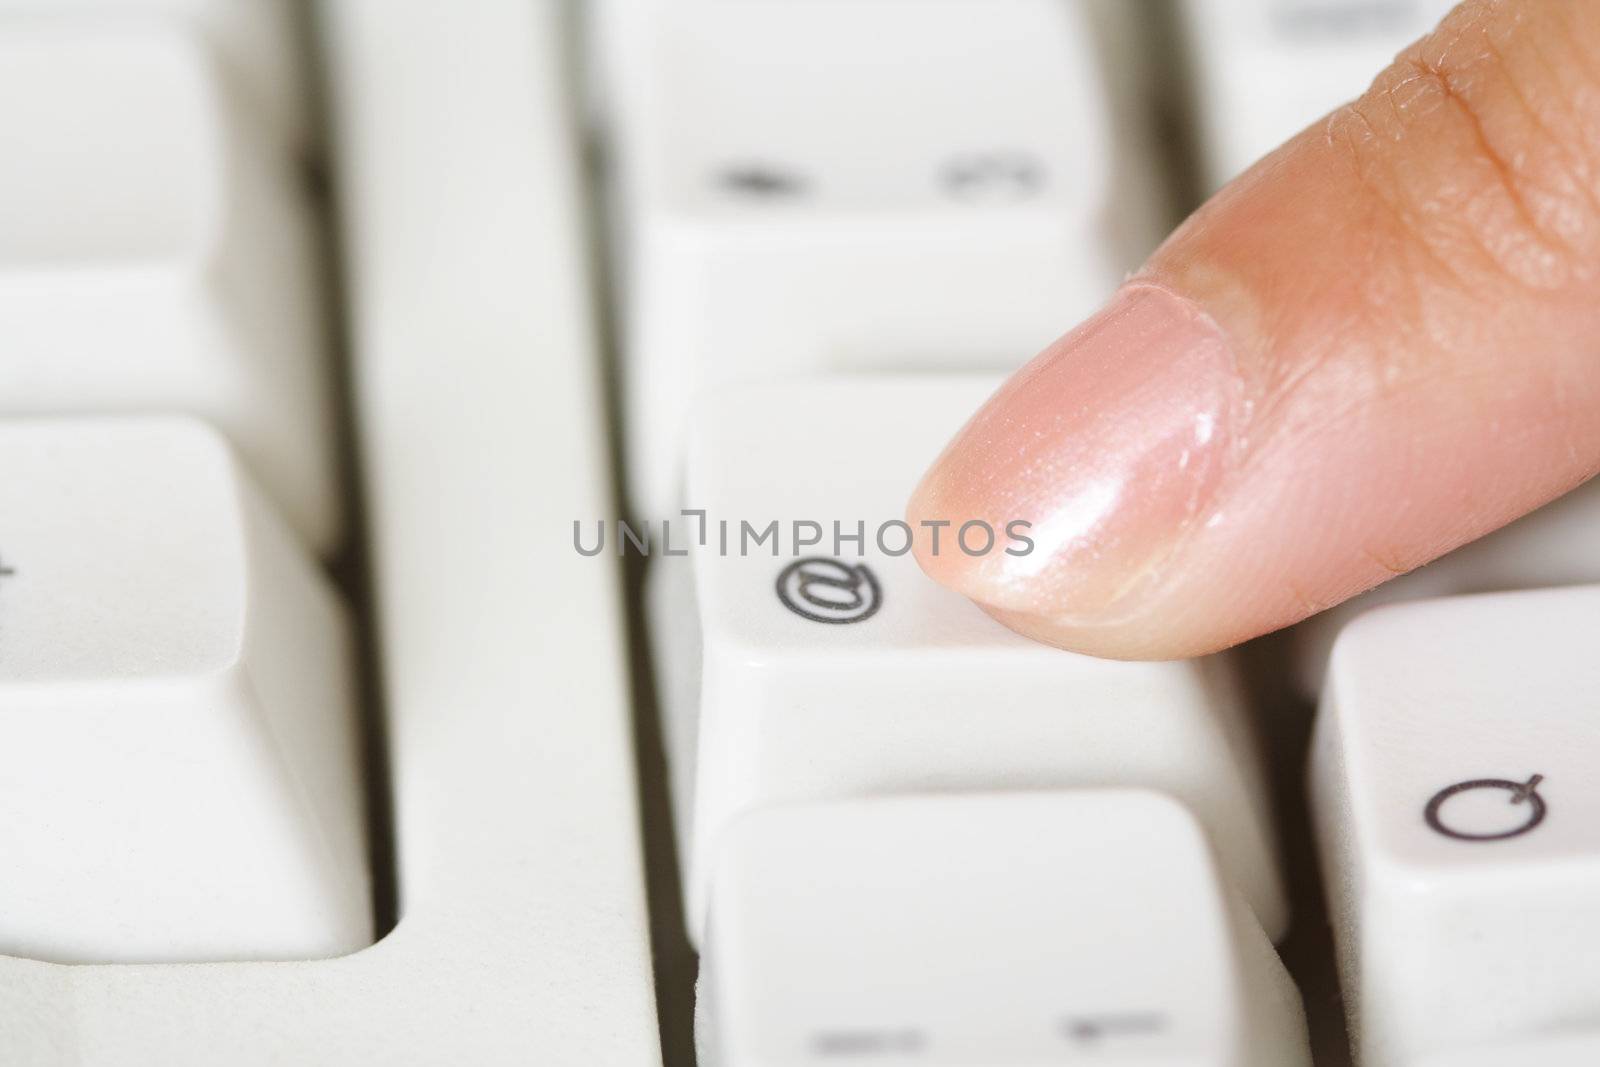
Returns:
(1482, 151)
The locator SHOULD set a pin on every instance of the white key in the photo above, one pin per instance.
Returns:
(1458, 809)
(259, 42)
(156, 252)
(996, 929)
(813, 185)
(1557, 545)
(178, 746)
(1267, 69)
(1574, 1050)
(764, 704)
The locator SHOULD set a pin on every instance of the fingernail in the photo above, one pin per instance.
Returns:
(1111, 443)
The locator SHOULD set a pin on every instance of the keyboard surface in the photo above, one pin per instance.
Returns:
(453, 603)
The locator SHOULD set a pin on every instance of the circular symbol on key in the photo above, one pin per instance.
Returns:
(829, 590)
(1523, 794)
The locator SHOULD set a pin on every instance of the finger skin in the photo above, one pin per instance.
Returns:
(1381, 342)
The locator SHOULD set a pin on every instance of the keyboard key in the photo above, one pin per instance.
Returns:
(1555, 545)
(1266, 69)
(1573, 1050)
(257, 40)
(856, 185)
(1454, 787)
(179, 771)
(818, 671)
(1001, 929)
(156, 252)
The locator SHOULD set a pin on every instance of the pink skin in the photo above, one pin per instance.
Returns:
(1378, 344)
(1164, 500)
(1111, 444)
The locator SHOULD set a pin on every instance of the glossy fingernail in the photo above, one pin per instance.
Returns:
(1111, 443)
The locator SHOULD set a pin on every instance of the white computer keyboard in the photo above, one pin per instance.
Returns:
(330, 734)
